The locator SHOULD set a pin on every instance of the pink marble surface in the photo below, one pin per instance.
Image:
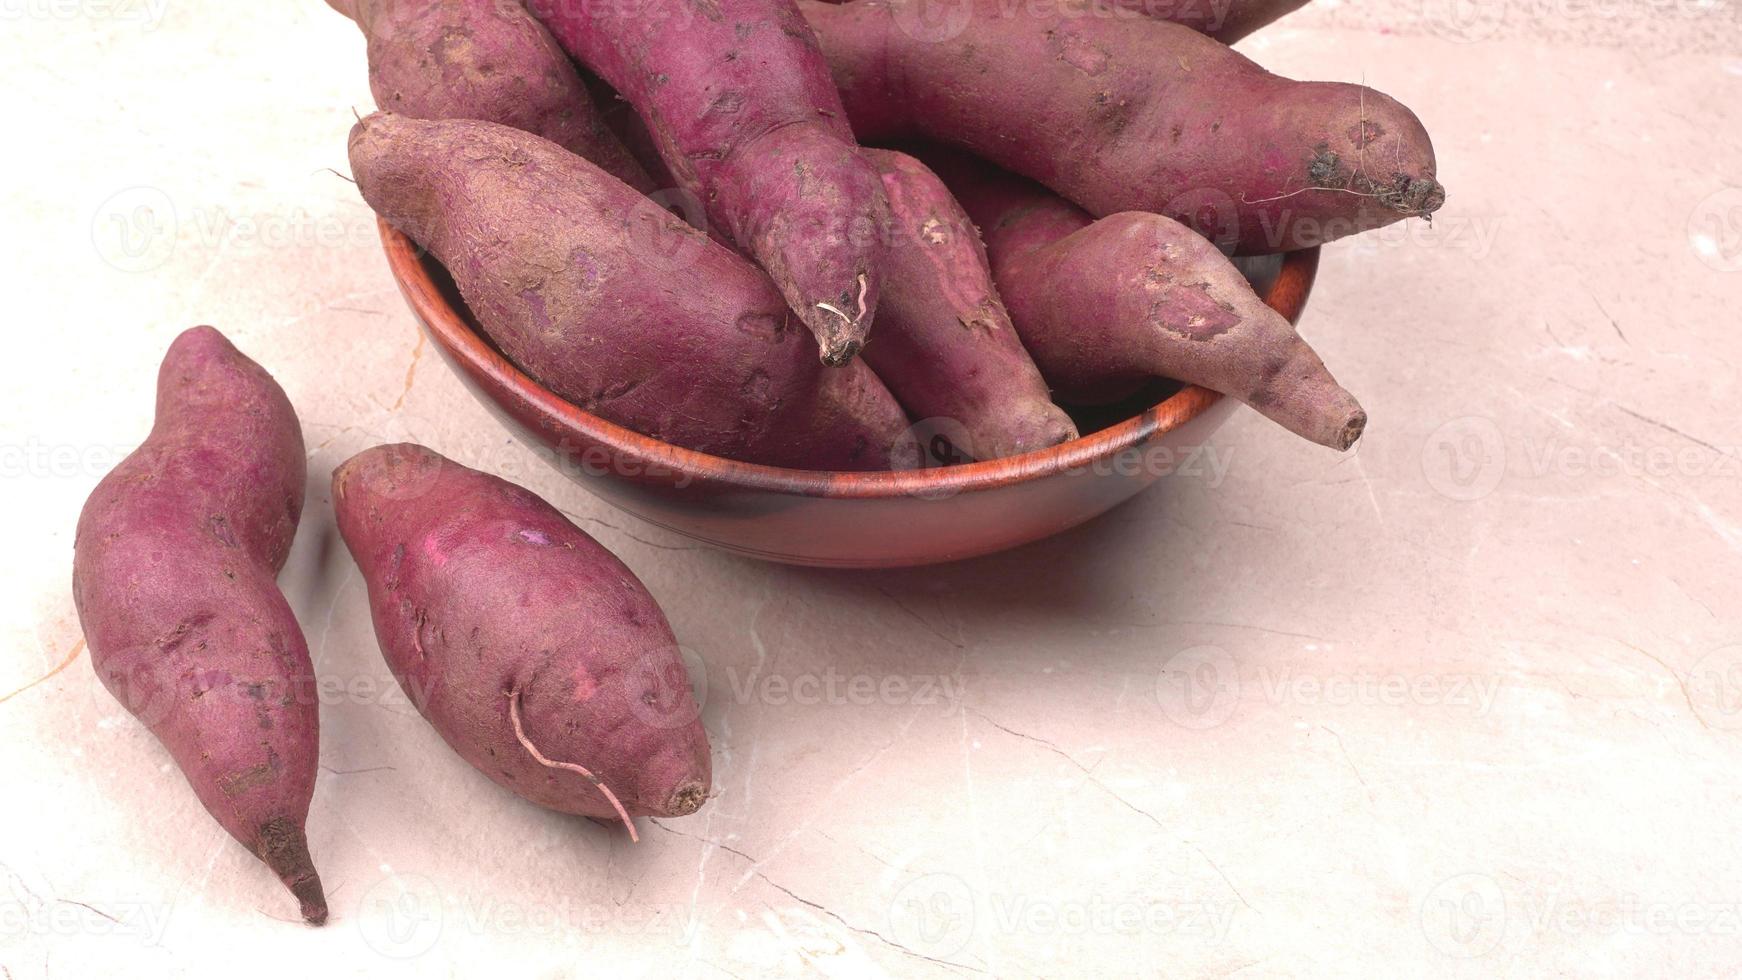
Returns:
(1465, 703)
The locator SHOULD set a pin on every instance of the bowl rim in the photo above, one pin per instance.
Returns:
(1287, 295)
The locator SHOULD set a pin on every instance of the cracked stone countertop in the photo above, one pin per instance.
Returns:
(1466, 702)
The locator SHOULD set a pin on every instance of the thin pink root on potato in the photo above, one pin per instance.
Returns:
(523, 641)
(582, 771)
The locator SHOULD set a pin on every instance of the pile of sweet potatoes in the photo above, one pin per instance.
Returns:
(519, 142)
(990, 219)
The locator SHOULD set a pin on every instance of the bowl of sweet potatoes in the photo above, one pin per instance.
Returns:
(832, 285)
(877, 519)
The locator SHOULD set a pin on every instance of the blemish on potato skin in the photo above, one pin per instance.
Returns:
(1324, 168)
(1365, 133)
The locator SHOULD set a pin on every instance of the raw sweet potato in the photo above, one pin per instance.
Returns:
(1133, 114)
(619, 306)
(489, 60)
(944, 344)
(532, 650)
(174, 576)
(740, 103)
(1104, 305)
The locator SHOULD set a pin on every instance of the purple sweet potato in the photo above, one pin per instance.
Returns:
(1105, 305)
(740, 103)
(1133, 114)
(174, 576)
(489, 60)
(944, 344)
(532, 650)
(619, 306)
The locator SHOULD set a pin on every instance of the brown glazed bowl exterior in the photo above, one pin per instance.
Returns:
(849, 520)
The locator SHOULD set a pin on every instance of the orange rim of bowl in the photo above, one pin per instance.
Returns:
(1287, 295)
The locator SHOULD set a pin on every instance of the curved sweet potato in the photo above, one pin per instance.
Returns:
(619, 306)
(174, 576)
(741, 106)
(489, 60)
(1161, 301)
(1133, 114)
(944, 344)
(533, 651)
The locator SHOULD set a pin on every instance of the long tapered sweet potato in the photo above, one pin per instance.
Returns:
(944, 343)
(531, 649)
(619, 306)
(174, 576)
(740, 103)
(489, 60)
(1104, 305)
(1132, 114)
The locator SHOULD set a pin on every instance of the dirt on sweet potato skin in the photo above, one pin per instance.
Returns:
(1256, 162)
(619, 306)
(482, 593)
(174, 577)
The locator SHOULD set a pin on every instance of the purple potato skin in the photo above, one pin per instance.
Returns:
(489, 60)
(743, 111)
(619, 306)
(481, 592)
(175, 571)
(1161, 302)
(944, 343)
(1133, 114)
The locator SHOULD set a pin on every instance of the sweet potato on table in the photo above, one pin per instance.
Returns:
(1133, 114)
(619, 306)
(1105, 305)
(174, 576)
(532, 650)
(944, 344)
(489, 60)
(740, 103)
